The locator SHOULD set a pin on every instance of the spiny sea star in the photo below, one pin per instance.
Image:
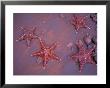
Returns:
(79, 22)
(28, 36)
(83, 56)
(46, 53)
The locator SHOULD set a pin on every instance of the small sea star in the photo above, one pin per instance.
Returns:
(79, 22)
(28, 36)
(46, 53)
(83, 56)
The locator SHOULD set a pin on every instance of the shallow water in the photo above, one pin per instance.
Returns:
(56, 27)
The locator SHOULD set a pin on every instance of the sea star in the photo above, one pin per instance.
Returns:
(28, 36)
(83, 56)
(79, 22)
(46, 53)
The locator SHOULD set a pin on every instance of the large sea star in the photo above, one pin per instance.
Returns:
(46, 53)
(28, 36)
(83, 56)
(79, 22)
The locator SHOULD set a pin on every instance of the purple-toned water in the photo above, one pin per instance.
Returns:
(56, 27)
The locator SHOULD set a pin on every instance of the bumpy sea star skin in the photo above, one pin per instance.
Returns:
(79, 22)
(28, 36)
(83, 56)
(46, 53)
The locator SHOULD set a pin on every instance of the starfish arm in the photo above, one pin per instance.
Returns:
(75, 57)
(75, 25)
(41, 43)
(56, 57)
(81, 65)
(53, 46)
(39, 53)
(81, 49)
(84, 18)
(35, 36)
(81, 19)
(77, 28)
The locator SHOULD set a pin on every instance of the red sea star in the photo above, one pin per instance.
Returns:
(28, 36)
(46, 53)
(83, 56)
(79, 22)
